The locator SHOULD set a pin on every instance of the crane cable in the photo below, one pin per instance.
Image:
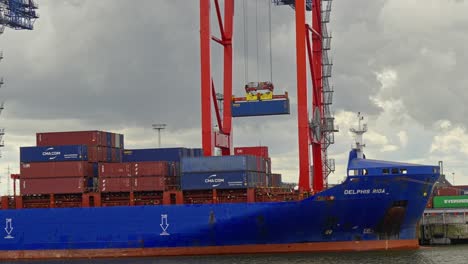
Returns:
(270, 44)
(256, 38)
(246, 50)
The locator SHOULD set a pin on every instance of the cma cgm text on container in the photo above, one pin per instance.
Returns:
(54, 153)
(222, 180)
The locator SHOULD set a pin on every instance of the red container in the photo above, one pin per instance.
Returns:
(275, 180)
(52, 185)
(113, 154)
(463, 189)
(260, 151)
(104, 139)
(115, 169)
(96, 154)
(61, 169)
(116, 154)
(115, 184)
(156, 183)
(156, 168)
(447, 191)
(113, 140)
(90, 138)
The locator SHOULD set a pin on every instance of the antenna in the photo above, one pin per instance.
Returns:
(358, 132)
(159, 127)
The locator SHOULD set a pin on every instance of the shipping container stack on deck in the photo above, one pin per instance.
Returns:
(274, 190)
(226, 178)
(66, 163)
(157, 169)
(273, 179)
(91, 168)
(143, 176)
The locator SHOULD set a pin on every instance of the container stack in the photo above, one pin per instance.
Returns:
(274, 180)
(95, 161)
(223, 172)
(67, 162)
(102, 146)
(144, 170)
(137, 176)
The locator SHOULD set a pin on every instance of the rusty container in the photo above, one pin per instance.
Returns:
(151, 168)
(115, 169)
(149, 183)
(60, 169)
(89, 138)
(52, 185)
(96, 154)
(115, 184)
(447, 191)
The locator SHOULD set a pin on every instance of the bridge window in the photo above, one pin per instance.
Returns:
(403, 171)
(394, 170)
(385, 171)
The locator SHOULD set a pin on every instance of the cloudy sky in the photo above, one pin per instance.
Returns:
(121, 65)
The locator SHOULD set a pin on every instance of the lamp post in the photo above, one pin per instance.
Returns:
(159, 127)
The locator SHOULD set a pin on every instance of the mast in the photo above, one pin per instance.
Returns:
(358, 132)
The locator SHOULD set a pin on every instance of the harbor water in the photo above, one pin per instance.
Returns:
(427, 255)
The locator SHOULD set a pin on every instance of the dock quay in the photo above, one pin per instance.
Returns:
(444, 226)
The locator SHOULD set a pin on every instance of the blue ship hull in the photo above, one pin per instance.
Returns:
(362, 210)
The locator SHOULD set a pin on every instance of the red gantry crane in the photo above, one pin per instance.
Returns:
(312, 45)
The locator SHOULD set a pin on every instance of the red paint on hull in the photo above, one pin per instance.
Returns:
(213, 250)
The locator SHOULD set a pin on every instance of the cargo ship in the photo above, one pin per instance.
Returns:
(83, 194)
(77, 203)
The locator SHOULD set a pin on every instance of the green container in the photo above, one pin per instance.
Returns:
(451, 201)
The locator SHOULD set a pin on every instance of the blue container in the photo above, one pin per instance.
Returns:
(55, 153)
(217, 180)
(158, 154)
(223, 180)
(108, 154)
(108, 139)
(95, 169)
(223, 163)
(260, 108)
(121, 141)
(198, 152)
(118, 155)
(89, 182)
